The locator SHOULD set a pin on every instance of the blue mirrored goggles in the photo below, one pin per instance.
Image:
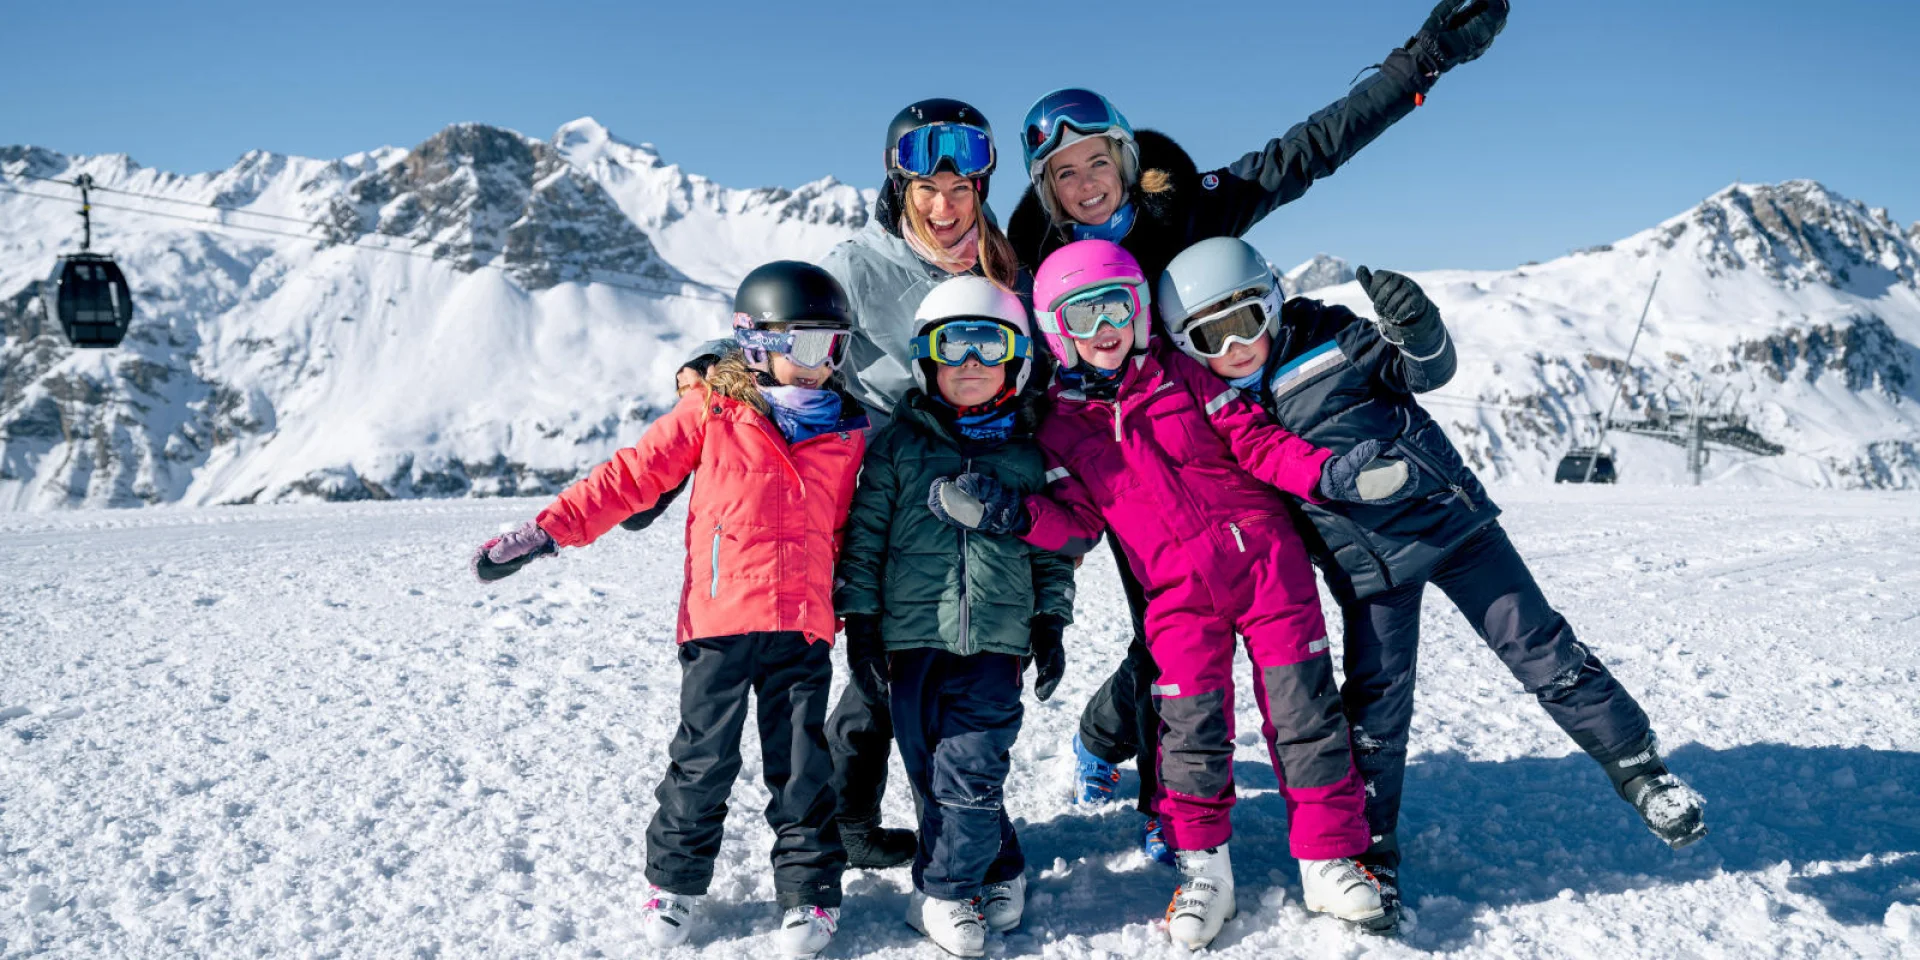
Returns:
(951, 344)
(960, 148)
(808, 348)
(1074, 109)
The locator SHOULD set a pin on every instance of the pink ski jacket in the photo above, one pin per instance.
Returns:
(1179, 466)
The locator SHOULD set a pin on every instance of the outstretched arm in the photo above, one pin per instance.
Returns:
(634, 479)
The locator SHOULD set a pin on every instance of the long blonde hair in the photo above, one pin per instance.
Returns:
(994, 250)
(731, 377)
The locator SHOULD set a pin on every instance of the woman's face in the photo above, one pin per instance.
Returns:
(1086, 181)
(791, 374)
(969, 384)
(947, 203)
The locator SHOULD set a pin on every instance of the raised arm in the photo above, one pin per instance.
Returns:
(1418, 353)
(1253, 186)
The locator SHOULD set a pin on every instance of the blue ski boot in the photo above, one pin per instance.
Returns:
(1094, 778)
(1153, 842)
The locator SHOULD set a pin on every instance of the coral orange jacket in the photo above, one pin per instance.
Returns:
(764, 521)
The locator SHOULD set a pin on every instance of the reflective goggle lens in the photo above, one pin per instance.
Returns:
(808, 348)
(1212, 335)
(951, 344)
(1083, 110)
(968, 151)
(1082, 315)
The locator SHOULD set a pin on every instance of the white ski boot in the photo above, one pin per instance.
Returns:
(1203, 902)
(805, 931)
(667, 918)
(1342, 888)
(953, 925)
(1003, 903)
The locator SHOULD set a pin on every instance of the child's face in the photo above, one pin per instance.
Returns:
(791, 374)
(969, 384)
(1241, 358)
(1107, 348)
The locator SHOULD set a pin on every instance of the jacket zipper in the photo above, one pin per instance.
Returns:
(1238, 541)
(1440, 475)
(713, 589)
(966, 618)
(1116, 420)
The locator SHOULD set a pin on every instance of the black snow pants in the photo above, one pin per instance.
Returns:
(789, 678)
(1491, 586)
(957, 718)
(1111, 722)
(860, 734)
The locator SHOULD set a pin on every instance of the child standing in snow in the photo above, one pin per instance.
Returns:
(939, 621)
(1341, 381)
(777, 444)
(1143, 443)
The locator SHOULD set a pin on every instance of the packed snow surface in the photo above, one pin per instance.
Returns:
(304, 730)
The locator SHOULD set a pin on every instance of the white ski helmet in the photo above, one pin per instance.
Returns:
(1207, 273)
(973, 298)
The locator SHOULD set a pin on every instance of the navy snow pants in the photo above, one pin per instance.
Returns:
(788, 678)
(956, 719)
(1489, 583)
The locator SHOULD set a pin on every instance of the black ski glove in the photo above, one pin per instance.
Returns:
(1362, 475)
(645, 518)
(1049, 658)
(975, 501)
(1408, 319)
(1457, 31)
(867, 657)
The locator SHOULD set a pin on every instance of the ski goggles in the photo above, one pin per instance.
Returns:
(808, 348)
(921, 152)
(1216, 333)
(951, 344)
(1080, 110)
(1115, 304)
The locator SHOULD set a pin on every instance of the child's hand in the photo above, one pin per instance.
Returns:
(975, 501)
(503, 556)
(1362, 475)
(1402, 306)
(1049, 658)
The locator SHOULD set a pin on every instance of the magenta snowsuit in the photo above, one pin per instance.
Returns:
(1183, 471)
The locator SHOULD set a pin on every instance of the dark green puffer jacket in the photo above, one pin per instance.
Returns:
(931, 584)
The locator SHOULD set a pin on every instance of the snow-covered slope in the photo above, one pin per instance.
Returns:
(533, 296)
(303, 731)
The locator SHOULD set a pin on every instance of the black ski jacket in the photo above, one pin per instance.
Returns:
(1334, 381)
(1227, 202)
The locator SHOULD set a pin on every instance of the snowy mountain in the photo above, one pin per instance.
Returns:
(529, 300)
(469, 356)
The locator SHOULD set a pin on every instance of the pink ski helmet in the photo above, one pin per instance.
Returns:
(1076, 268)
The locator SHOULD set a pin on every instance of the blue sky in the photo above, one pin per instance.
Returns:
(1586, 122)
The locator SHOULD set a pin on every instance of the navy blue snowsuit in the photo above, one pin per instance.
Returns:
(1335, 381)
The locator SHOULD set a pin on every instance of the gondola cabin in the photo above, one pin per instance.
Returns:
(89, 295)
(1586, 465)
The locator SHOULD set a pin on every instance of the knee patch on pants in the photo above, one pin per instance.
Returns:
(1310, 730)
(1196, 751)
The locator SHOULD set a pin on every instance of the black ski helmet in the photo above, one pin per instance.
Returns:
(926, 113)
(792, 292)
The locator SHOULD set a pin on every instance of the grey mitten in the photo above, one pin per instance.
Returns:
(975, 501)
(1362, 475)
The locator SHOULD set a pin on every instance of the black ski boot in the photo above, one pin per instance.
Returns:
(1671, 809)
(1382, 859)
(871, 846)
